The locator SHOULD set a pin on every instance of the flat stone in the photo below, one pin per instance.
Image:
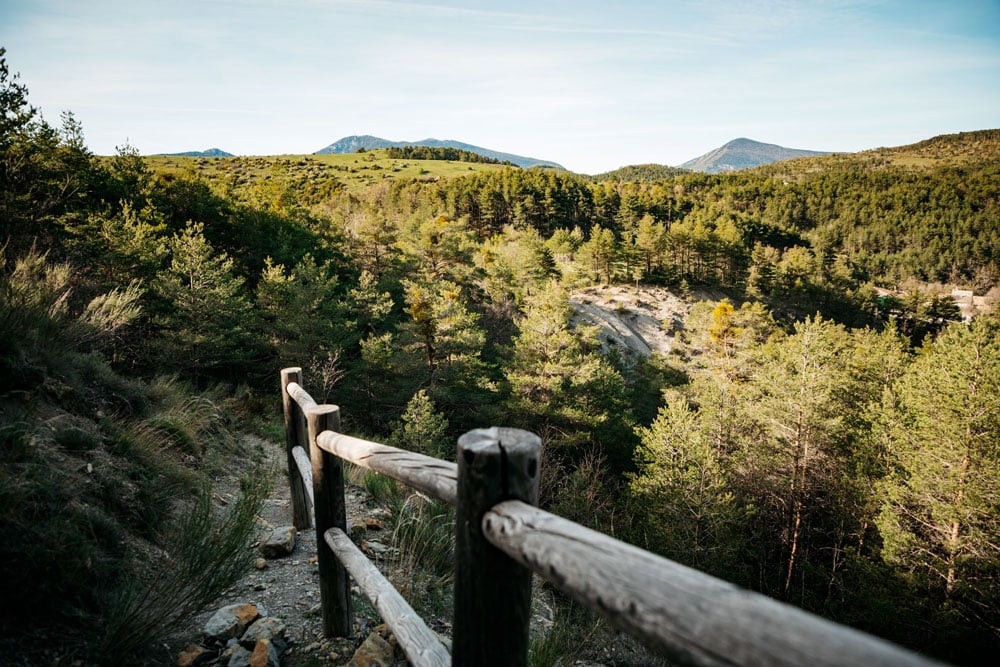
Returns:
(230, 621)
(281, 542)
(269, 628)
(374, 652)
(377, 547)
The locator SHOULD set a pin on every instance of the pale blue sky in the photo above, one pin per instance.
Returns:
(591, 85)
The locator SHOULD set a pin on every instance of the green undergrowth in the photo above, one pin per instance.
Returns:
(203, 554)
(422, 531)
(109, 531)
(110, 535)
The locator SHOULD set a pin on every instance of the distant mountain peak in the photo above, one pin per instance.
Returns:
(211, 152)
(354, 142)
(743, 153)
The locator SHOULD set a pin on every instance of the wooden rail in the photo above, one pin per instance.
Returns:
(501, 538)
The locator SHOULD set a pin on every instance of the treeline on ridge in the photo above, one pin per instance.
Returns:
(441, 153)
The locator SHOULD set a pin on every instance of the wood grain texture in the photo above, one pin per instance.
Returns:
(492, 591)
(681, 613)
(295, 436)
(434, 477)
(304, 467)
(330, 511)
(300, 396)
(421, 645)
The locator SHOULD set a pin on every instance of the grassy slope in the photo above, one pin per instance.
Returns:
(356, 171)
(964, 148)
(353, 171)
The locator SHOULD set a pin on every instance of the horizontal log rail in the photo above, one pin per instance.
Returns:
(689, 616)
(501, 538)
(301, 396)
(419, 642)
(434, 477)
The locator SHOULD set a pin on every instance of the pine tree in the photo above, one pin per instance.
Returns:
(207, 328)
(682, 493)
(940, 521)
(302, 315)
(801, 397)
(561, 387)
(423, 429)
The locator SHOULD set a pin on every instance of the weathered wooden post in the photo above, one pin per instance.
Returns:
(331, 512)
(294, 436)
(492, 592)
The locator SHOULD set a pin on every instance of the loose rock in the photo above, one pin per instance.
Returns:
(194, 655)
(270, 629)
(374, 547)
(265, 654)
(374, 652)
(279, 543)
(235, 656)
(230, 621)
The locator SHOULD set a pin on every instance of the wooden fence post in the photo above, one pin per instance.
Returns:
(331, 512)
(301, 517)
(492, 591)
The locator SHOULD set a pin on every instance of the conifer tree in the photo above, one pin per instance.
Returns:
(301, 312)
(801, 397)
(940, 521)
(207, 327)
(423, 429)
(683, 496)
(561, 386)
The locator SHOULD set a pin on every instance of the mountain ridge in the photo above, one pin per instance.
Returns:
(743, 153)
(209, 152)
(355, 142)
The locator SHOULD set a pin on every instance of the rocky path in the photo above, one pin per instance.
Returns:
(286, 588)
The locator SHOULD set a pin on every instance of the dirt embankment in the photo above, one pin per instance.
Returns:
(641, 319)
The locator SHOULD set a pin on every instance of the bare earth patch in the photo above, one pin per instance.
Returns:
(639, 319)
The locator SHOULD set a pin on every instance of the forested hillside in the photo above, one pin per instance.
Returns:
(829, 434)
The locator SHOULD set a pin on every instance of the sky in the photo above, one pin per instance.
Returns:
(592, 85)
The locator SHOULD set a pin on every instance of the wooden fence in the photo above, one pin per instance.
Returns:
(501, 538)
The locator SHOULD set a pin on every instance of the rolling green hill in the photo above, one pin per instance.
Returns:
(353, 143)
(321, 174)
(640, 172)
(981, 147)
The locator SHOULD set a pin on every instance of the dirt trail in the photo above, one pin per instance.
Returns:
(287, 588)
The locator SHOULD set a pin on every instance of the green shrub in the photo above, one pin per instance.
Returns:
(75, 439)
(424, 534)
(204, 554)
(383, 489)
